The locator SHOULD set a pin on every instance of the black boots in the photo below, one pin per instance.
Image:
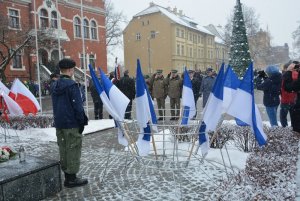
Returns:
(72, 181)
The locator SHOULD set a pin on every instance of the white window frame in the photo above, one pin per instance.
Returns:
(53, 20)
(95, 29)
(19, 18)
(86, 28)
(138, 36)
(21, 54)
(74, 25)
(40, 22)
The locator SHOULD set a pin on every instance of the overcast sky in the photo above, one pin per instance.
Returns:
(281, 17)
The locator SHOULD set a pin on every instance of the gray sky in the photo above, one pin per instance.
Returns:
(280, 16)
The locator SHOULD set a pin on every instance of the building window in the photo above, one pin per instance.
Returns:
(92, 60)
(182, 33)
(199, 53)
(54, 20)
(191, 52)
(182, 50)
(152, 34)
(14, 19)
(44, 23)
(143, 23)
(177, 32)
(138, 36)
(191, 37)
(81, 61)
(86, 28)
(94, 30)
(17, 61)
(178, 49)
(77, 27)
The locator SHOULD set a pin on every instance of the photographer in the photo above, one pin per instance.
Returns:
(271, 85)
(292, 84)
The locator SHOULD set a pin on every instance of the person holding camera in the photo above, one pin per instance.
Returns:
(271, 85)
(292, 84)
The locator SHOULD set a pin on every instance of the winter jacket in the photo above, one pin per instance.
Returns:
(291, 85)
(158, 86)
(271, 87)
(174, 86)
(287, 97)
(127, 86)
(94, 93)
(67, 104)
(206, 87)
(196, 87)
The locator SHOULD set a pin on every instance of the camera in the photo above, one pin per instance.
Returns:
(262, 74)
(297, 65)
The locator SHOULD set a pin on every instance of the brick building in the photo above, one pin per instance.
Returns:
(58, 22)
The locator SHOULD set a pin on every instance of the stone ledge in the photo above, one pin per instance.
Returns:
(34, 179)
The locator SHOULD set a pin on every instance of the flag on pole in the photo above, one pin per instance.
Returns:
(231, 83)
(188, 101)
(108, 105)
(26, 100)
(119, 102)
(117, 70)
(244, 108)
(212, 112)
(145, 113)
(13, 108)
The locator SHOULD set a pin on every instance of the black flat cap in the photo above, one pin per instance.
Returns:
(66, 63)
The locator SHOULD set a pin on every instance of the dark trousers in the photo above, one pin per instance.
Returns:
(128, 110)
(98, 110)
(284, 110)
(161, 107)
(175, 107)
(295, 119)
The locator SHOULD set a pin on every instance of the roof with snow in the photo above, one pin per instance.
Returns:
(177, 18)
(217, 31)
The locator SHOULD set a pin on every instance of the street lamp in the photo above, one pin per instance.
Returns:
(152, 36)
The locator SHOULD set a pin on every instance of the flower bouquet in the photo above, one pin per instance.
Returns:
(6, 153)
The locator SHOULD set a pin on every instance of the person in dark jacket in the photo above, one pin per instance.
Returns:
(271, 88)
(98, 104)
(292, 84)
(69, 121)
(174, 83)
(127, 85)
(288, 99)
(207, 84)
(195, 87)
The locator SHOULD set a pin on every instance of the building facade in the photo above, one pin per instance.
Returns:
(164, 38)
(65, 28)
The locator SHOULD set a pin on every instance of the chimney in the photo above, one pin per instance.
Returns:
(152, 4)
(175, 10)
(180, 12)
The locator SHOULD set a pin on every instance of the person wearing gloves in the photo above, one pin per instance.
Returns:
(271, 86)
(69, 121)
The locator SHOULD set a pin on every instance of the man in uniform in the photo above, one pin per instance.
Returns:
(174, 83)
(69, 121)
(158, 87)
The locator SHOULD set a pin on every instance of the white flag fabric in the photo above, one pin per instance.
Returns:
(4, 88)
(145, 113)
(212, 112)
(188, 101)
(13, 108)
(244, 108)
(109, 106)
(22, 95)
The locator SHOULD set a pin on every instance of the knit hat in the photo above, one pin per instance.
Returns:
(272, 69)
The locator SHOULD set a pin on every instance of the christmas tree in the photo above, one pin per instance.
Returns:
(239, 55)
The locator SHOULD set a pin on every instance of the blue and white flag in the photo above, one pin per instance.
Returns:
(244, 108)
(188, 101)
(106, 102)
(145, 113)
(212, 112)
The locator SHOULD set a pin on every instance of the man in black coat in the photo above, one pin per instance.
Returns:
(195, 87)
(127, 85)
(98, 105)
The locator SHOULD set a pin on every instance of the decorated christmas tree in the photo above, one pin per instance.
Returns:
(239, 55)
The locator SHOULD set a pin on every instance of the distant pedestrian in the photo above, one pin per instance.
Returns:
(174, 83)
(159, 91)
(206, 86)
(288, 99)
(196, 84)
(98, 104)
(69, 121)
(127, 85)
